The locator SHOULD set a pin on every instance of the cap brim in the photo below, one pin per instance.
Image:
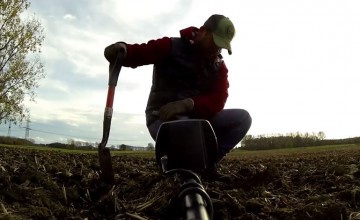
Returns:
(222, 43)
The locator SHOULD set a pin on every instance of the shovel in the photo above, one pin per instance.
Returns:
(107, 172)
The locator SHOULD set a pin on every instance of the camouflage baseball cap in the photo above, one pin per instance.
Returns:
(223, 30)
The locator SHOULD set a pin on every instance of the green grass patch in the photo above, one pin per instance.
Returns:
(233, 154)
(80, 151)
(283, 151)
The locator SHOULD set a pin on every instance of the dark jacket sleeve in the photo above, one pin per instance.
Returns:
(147, 53)
(209, 104)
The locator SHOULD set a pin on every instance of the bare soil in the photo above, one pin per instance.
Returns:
(54, 185)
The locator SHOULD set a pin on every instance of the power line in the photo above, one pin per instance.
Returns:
(9, 130)
(72, 136)
(27, 129)
(18, 129)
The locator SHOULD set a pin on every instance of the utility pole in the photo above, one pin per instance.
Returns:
(27, 129)
(9, 130)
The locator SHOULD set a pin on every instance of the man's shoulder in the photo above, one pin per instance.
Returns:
(188, 33)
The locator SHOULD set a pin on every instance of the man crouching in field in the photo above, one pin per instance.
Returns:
(190, 79)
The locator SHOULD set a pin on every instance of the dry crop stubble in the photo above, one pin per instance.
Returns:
(297, 185)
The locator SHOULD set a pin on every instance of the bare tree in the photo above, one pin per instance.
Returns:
(20, 66)
(321, 135)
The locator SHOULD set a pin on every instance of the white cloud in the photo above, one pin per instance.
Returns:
(69, 17)
(294, 64)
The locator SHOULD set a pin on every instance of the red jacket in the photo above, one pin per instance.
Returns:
(205, 105)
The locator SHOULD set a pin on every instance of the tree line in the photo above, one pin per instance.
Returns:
(15, 141)
(72, 144)
(292, 140)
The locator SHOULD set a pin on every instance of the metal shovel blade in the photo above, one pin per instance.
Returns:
(107, 173)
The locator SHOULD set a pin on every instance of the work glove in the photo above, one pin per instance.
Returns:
(115, 54)
(116, 50)
(172, 109)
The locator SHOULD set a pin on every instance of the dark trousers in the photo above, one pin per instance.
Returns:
(230, 127)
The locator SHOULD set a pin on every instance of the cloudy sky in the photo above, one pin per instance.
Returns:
(295, 65)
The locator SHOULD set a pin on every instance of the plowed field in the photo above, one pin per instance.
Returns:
(39, 184)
